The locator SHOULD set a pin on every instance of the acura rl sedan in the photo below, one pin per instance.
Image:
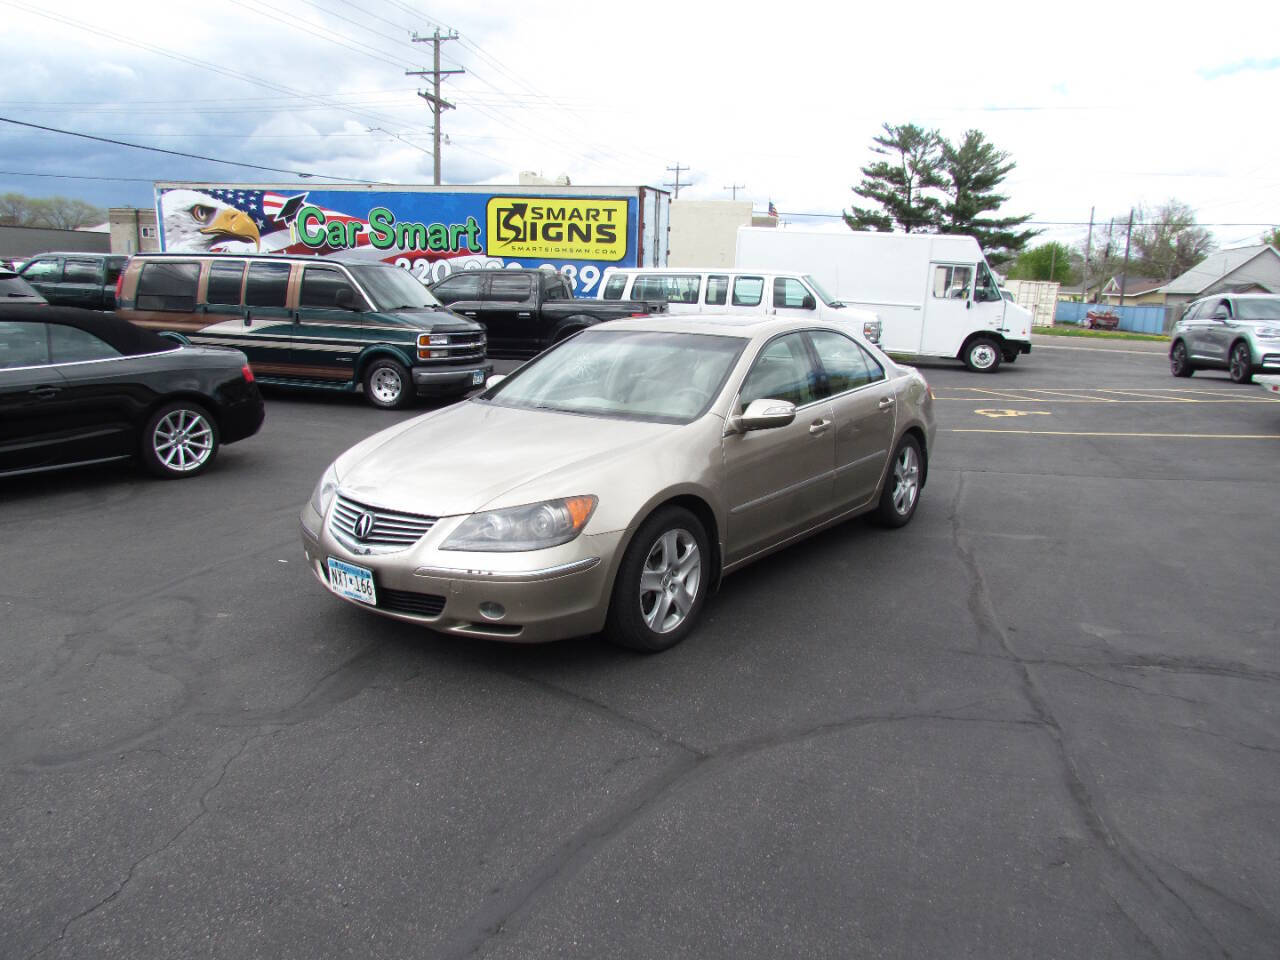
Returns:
(79, 387)
(609, 484)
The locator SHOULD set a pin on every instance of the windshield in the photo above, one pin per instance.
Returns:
(639, 375)
(1258, 309)
(818, 288)
(392, 288)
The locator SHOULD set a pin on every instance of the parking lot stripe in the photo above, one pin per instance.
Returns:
(1071, 393)
(1158, 352)
(1003, 395)
(1097, 433)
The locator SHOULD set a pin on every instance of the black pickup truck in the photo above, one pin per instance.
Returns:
(526, 311)
(76, 279)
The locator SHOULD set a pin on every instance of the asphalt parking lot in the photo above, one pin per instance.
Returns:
(1041, 721)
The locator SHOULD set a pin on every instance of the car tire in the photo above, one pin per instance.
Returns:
(1241, 367)
(661, 583)
(387, 384)
(982, 355)
(1179, 362)
(902, 484)
(180, 440)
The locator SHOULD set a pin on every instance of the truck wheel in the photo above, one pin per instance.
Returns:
(982, 355)
(387, 384)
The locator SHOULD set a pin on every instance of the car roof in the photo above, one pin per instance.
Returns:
(120, 333)
(747, 326)
(74, 253)
(352, 260)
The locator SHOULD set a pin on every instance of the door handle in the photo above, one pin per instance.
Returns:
(886, 403)
(470, 313)
(44, 392)
(819, 426)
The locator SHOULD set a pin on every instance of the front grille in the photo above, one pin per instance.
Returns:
(462, 347)
(390, 529)
(406, 601)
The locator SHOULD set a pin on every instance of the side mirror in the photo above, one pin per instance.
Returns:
(808, 303)
(494, 380)
(763, 414)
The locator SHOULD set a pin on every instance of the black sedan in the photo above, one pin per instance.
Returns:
(79, 387)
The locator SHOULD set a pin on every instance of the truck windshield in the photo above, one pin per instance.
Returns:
(392, 288)
(825, 297)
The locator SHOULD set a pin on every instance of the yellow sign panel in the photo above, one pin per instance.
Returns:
(555, 228)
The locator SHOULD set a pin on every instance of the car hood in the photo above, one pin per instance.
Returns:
(465, 457)
(439, 319)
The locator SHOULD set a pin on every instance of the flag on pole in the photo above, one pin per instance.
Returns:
(773, 211)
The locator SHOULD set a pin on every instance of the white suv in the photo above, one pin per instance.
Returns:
(1239, 333)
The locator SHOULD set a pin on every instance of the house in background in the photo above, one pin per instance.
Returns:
(1254, 269)
(1138, 292)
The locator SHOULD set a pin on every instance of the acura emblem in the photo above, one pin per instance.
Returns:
(364, 525)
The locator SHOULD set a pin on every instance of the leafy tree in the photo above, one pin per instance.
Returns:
(1048, 261)
(1167, 241)
(1272, 237)
(973, 171)
(900, 185)
(64, 213)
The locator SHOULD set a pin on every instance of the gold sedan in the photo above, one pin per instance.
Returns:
(609, 484)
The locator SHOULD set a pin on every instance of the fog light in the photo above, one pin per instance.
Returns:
(492, 611)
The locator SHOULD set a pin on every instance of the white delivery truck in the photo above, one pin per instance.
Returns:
(934, 294)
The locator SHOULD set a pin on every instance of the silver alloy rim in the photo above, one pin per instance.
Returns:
(1179, 357)
(670, 580)
(183, 441)
(386, 385)
(906, 480)
(1238, 363)
(983, 355)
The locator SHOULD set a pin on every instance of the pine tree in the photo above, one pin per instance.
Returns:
(972, 172)
(899, 185)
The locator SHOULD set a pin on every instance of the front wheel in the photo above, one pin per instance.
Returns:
(902, 486)
(1241, 368)
(387, 384)
(180, 440)
(1179, 362)
(661, 583)
(982, 355)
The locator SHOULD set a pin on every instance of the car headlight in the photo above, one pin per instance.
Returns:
(324, 491)
(534, 526)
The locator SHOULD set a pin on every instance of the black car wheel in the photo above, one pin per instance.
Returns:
(180, 440)
(661, 583)
(1179, 362)
(902, 486)
(1241, 368)
(387, 384)
(982, 355)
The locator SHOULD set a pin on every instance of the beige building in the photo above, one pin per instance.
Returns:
(704, 233)
(133, 230)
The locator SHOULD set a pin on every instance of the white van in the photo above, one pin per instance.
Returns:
(735, 290)
(934, 293)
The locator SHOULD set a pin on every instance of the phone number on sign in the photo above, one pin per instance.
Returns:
(585, 277)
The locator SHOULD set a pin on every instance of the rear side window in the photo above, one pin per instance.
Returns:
(462, 286)
(614, 286)
(515, 288)
(80, 271)
(267, 286)
(168, 286)
(225, 280)
(717, 291)
(73, 345)
(553, 289)
(23, 345)
(45, 270)
(748, 291)
(674, 289)
(326, 287)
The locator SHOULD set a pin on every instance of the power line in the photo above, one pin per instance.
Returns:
(179, 153)
(72, 176)
(1039, 223)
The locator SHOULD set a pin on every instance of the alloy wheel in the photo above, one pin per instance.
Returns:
(670, 580)
(906, 480)
(183, 441)
(386, 385)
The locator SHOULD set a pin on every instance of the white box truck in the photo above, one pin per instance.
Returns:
(934, 293)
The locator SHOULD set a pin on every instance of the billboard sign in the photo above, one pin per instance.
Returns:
(431, 233)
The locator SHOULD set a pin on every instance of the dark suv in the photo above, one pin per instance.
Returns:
(76, 279)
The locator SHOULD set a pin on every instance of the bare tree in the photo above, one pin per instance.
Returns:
(1167, 241)
(65, 213)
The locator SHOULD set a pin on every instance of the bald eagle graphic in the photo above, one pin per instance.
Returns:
(195, 222)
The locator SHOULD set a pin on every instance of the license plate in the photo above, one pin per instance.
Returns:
(354, 583)
(477, 377)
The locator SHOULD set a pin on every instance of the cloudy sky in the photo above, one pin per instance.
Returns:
(1102, 106)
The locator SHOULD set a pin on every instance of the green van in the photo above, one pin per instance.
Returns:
(329, 323)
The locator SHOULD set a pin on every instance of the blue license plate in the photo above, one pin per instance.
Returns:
(354, 583)
(477, 377)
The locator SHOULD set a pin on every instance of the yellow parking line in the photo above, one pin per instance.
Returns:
(992, 393)
(1135, 393)
(1085, 433)
(1074, 395)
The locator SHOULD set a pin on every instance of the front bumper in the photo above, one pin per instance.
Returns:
(545, 595)
(429, 381)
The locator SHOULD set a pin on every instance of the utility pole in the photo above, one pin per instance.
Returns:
(676, 186)
(433, 98)
(735, 187)
(1088, 243)
(1127, 237)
